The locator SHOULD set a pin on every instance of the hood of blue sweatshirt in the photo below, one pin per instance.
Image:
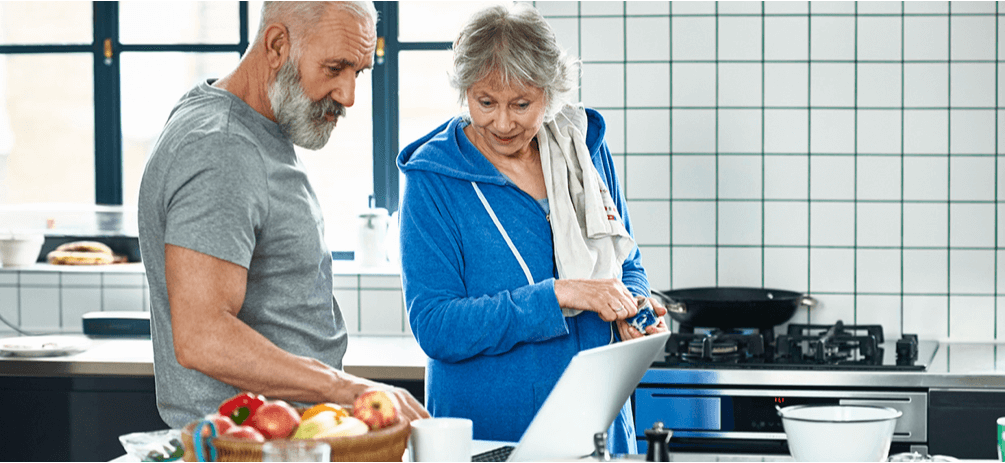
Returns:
(437, 151)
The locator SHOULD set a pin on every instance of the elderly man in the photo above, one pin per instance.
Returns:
(230, 229)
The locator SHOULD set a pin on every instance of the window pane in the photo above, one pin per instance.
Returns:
(415, 19)
(24, 23)
(342, 172)
(425, 97)
(254, 17)
(152, 83)
(178, 22)
(46, 128)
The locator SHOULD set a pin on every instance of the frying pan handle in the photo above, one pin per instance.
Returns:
(670, 304)
(808, 301)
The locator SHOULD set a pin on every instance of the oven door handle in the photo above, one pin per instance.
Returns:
(914, 430)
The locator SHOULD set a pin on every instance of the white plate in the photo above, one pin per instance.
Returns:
(43, 346)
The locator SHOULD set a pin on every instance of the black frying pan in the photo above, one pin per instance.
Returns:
(724, 307)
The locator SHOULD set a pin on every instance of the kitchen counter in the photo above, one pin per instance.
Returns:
(953, 365)
(369, 356)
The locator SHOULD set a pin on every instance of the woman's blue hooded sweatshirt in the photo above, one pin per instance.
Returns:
(496, 344)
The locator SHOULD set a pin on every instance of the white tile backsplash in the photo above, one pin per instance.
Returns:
(648, 177)
(927, 316)
(39, 308)
(926, 271)
(381, 311)
(926, 132)
(785, 268)
(648, 85)
(693, 131)
(650, 221)
(694, 177)
(693, 222)
(740, 84)
(833, 37)
(972, 178)
(735, 180)
(9, 307)
(348, 303)
(693, 267)
(832, 131)
(878, 178)
(878, 224)
(926, 225)
(832, 177)
(603, 85)
(739, 130)
(971, 271)
(648, 131)
(602, 8)
(785, 38)
(877, 271)
(878, 85)
(926, 85)
(122, 299)
(739, 223)
(740, 267)
(972, 37)
(972, 131)
(786, 223)
(740, 36)
(970, 316)
(971, 225)
(832, 224)
(697, 7)
(882, 33)
(786, 84)
(786, 130)
(694, 84)
(786, 177)
(743, 7)
(878, 132)
(973, 84)
(832, 84)
(786, 7)
(692, 37)
(646, 38)
(76, 302)
(880, 310)
(605, 40)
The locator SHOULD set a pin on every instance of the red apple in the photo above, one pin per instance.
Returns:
(275, 419)
(376, 408)
(222, 424)
(245, 432)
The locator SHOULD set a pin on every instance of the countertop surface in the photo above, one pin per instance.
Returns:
(369, 356)
(953, 364)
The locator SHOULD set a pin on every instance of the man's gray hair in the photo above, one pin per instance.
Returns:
(519, 43)
(302, 16)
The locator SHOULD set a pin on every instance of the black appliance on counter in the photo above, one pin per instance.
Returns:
(718, 388)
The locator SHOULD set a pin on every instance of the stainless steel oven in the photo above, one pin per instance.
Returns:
(719, 389)
(745, 420)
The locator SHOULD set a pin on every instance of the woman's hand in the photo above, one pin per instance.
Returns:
(609, 298)
(629, 332)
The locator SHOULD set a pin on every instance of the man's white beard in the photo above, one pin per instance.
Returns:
(301, 119)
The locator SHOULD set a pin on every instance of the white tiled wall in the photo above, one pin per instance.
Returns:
(44, 299)
(848, 150)
(52, 299)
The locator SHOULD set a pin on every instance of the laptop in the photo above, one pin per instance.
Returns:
(585, 401)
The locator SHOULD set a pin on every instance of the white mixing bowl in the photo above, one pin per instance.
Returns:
(839, 432)
(18, 250)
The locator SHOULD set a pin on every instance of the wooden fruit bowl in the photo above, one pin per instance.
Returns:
(387, 444)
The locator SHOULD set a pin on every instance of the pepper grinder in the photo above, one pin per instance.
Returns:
(658, 437)
(600, 452)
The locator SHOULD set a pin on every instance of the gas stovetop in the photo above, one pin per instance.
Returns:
(801, 347)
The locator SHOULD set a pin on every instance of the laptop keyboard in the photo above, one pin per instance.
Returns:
(496, 454)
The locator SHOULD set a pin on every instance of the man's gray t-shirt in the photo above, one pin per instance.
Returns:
(223, 180)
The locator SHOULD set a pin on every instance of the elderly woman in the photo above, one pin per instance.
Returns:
(517, 250)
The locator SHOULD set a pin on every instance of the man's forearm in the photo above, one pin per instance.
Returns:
(230, 351)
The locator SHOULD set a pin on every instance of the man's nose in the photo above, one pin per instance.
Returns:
(345, 90)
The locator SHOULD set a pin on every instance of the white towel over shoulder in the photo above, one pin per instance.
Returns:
(589, 236)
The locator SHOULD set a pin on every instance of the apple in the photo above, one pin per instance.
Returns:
(220, 422)
(376, 408)
(316, 424)
(348, 426)
(245, 432)
(275, 419)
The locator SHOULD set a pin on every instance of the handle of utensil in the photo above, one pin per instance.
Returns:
(808, 301)
(669, 302)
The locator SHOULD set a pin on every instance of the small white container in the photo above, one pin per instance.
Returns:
(20, 249)
(839, 432)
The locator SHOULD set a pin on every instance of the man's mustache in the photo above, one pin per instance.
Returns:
(327, 106)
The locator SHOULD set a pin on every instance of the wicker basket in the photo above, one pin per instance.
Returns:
(387, 444)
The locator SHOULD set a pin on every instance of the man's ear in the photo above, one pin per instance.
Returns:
(277, 44)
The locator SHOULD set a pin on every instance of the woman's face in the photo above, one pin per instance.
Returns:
(504, 119)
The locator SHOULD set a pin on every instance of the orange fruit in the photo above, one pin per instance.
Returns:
(339, 410)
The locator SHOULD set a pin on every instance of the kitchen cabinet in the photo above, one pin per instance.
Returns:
(963, 422)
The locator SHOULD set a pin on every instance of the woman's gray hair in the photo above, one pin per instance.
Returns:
(519, 43)
(302, 16)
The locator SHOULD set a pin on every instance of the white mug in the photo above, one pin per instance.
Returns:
(441, 439)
